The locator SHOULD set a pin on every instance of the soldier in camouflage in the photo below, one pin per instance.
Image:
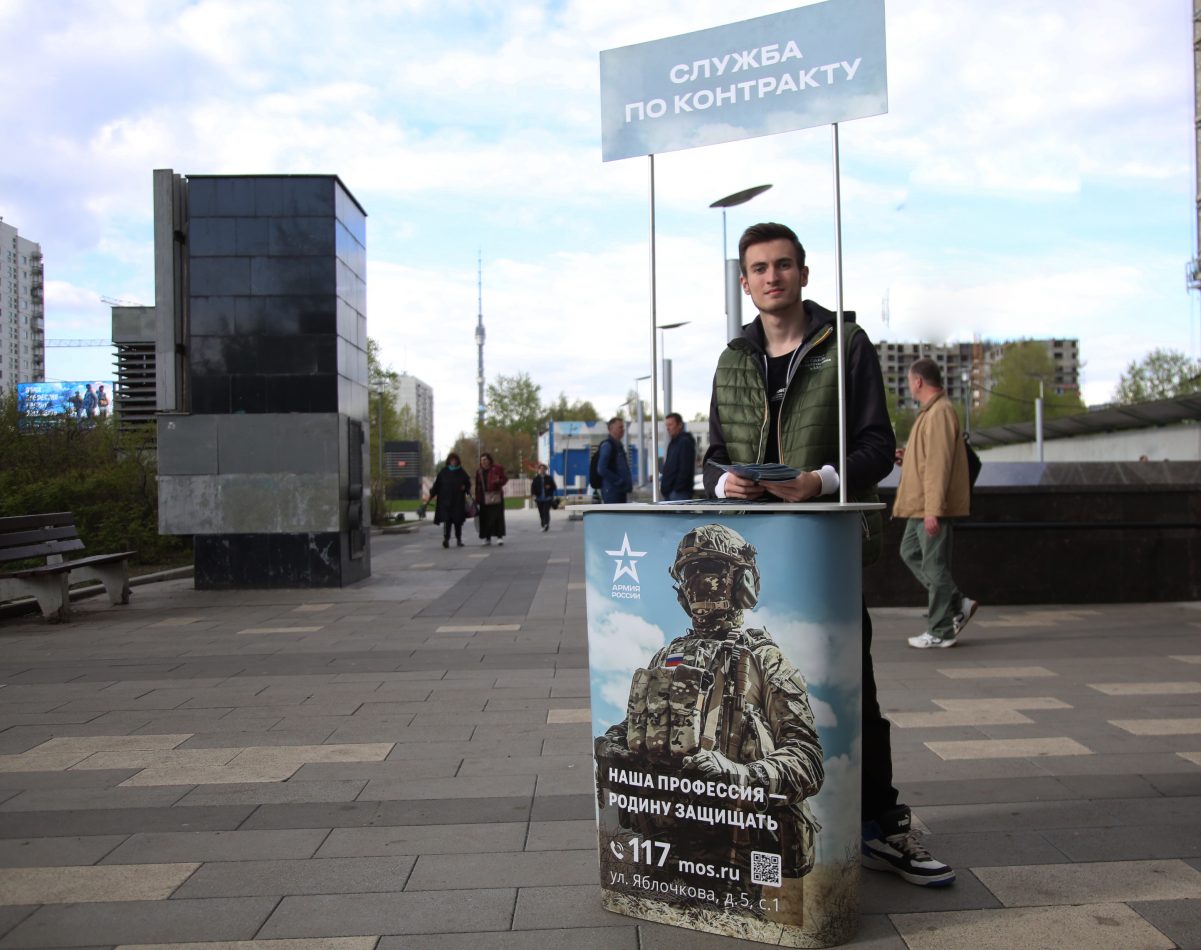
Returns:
(722, 703)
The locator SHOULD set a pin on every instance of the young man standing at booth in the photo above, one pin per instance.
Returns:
(775, 399)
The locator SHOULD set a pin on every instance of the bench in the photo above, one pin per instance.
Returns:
(50, 536)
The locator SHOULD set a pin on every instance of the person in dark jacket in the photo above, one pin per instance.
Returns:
(679, 461)
(775, 399)
(542, 488)
(450, 488)
(613, 465)
(490, 480)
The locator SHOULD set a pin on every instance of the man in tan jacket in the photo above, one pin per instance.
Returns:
(934, 489)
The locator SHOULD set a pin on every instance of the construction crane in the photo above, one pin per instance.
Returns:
(117, 302)
(80, 343)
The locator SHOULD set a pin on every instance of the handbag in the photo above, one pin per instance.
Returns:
(494, 498)
(472, 509)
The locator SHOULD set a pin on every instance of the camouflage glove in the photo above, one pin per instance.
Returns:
(714, 765)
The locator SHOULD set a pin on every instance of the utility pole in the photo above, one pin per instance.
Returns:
(479, 341)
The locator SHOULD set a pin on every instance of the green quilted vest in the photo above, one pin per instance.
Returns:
(808, 436)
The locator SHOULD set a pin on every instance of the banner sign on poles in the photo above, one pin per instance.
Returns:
(812, 66)
(724, 659)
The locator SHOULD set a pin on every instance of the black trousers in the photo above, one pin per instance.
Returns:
(543, 512)
(446, 525)
(879, 795)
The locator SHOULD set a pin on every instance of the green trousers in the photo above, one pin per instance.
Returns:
(929, 558)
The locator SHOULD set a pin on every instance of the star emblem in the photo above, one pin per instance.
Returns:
(625, 554)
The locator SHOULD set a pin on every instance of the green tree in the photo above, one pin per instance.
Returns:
(105, 476)
(579, 411)
(516, 451)
(1015, 383)
(901, 416)
(1161, 374)
(515, 403)
(390, 421)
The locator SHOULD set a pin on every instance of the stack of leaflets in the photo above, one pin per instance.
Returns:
(768, 472)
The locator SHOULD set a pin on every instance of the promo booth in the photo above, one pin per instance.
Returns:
(724, 650)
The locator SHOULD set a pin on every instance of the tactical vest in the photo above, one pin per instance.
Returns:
(808, 423)
(711, 697)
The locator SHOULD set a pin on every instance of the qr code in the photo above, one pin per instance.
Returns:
(765, 869)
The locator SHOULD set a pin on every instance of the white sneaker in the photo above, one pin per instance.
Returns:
(967, 609)
(927, 641)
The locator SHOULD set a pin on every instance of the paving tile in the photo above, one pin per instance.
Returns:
(1159, 727)
(884, 893)
(1008, 748)
(1179, 920)
(75, 885)
(441, 872)
(1104, 882)
(318, 943)
(996, 672)
(274, 793)
(139, 922)
(427, 839)
(1166, 840)
(73, 799)
(442, 789)
(92, 744)
(569, 905)
(1096, 926)
(217, 846)
(101, 821)
(361, 814)
(561, 835)
(1147, 689)
(11, 916)
(56, 852)
(99, 778)
(355, 914)
(356, 875)
(577, 938)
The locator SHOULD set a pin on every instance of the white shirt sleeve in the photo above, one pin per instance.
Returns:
(720, 489)
(829, 479)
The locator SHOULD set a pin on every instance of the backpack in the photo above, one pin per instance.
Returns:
(973, 462)
(594, 475)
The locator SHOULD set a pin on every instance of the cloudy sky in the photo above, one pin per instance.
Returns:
(1033, 176)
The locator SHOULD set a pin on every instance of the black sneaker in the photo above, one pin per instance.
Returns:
(889, 844)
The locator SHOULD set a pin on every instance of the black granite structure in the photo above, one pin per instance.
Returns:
(1065, 533)
(276, 359)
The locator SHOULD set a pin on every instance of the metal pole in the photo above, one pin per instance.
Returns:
(654, 470)
(842, 381)
(383, 486)
(1038, 420)
(641, 441)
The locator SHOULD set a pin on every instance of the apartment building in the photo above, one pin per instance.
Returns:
(967, 367)
(419, 397)
(22, 312)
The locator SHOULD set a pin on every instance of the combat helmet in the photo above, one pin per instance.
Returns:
(716, 575)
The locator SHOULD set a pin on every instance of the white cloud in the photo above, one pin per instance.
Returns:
(1033, 175)
(619, 641)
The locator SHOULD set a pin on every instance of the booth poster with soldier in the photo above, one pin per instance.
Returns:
(724, 659)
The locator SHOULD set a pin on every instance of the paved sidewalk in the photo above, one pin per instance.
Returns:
(405, 765)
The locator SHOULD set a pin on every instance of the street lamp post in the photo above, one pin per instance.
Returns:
(965, 378)
(667, 364)
(733, 301)
(641, 432)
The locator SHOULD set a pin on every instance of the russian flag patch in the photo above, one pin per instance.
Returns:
(673, 659)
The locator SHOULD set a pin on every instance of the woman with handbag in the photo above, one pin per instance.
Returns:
(490, 481)
(543, 491)
(451, 487)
